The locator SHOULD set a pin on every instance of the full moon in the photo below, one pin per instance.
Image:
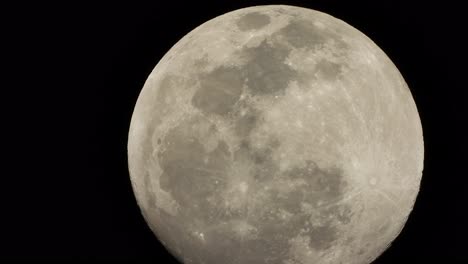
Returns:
(275, 134)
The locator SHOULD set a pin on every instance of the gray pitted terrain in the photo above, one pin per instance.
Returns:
(274, 134)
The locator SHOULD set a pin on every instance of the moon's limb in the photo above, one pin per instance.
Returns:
(275, 134)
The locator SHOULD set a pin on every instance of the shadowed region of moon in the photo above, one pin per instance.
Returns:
(275, 134)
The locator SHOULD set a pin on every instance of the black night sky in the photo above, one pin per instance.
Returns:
(75, 71)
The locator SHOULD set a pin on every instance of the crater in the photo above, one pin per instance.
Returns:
(253, 21)
(266, 71)
(219, 91)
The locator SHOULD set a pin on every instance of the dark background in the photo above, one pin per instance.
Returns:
(74, 72)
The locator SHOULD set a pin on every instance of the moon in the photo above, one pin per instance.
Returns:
(275, 134)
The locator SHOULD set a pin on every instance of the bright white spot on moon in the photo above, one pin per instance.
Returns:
(299, 123)
(275, 134)
(243, 187)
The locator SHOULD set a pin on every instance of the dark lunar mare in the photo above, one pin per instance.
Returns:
(265, 72)
(190, 173)
(197, 179)
(253, 21)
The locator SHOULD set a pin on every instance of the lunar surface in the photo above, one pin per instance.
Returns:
(275, 134)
